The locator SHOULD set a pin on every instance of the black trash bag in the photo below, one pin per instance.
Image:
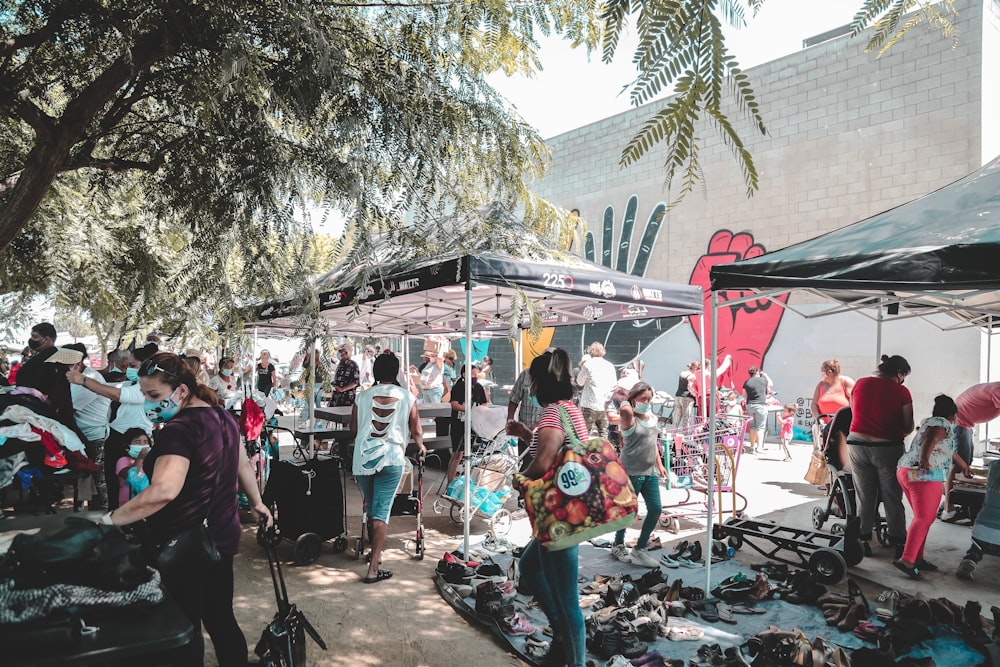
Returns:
(83, 553)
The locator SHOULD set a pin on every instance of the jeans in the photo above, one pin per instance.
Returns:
(874, 472)
(683, 406)
(551, 578)
(980, 548)
(597, 418)
(963, 443)
(924, 498)
(432, 395)
(647, 486)
(379, 490)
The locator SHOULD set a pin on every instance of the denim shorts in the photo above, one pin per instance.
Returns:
(379, 490)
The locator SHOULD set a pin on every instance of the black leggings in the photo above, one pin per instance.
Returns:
(217, 615)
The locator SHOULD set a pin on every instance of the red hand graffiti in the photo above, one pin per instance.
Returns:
(746, 330)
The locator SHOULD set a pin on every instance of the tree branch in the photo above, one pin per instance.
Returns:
(40, 122)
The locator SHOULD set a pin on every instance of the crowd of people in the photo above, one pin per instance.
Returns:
(168, 451)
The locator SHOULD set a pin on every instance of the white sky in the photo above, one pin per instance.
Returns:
(572, 92)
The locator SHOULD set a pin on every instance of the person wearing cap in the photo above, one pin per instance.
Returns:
(346, 380)
(597, 377)
(92, 412)
(364, 362)
(48, 378)
(431, 379)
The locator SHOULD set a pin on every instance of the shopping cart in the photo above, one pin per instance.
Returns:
(686, 454)
(493, 465)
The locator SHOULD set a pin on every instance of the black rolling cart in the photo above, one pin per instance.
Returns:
(310, 504)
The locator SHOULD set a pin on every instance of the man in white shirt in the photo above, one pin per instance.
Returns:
(364, 362)
(92, 412)
(597, 377)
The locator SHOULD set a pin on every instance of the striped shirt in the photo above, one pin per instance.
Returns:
(551, 418)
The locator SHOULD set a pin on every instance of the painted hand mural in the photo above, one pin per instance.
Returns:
(746, 330)
(623, 340)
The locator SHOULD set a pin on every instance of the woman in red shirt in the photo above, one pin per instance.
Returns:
(882, 415)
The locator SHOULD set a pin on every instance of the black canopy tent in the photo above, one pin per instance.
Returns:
(427, 296)
(477, 289)
(935, 254)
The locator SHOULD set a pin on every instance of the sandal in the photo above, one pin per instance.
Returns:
(380, 576)
(886, 609)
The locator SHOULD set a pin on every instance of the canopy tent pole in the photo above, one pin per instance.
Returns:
(701, 362)
(467, 424)
(989, 368)
(712, 398)
(310, 397)
(878, 334)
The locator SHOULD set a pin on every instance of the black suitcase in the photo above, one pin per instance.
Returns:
(283, 642)
(310, 505)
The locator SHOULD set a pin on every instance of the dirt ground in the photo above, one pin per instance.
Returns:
(402, 621)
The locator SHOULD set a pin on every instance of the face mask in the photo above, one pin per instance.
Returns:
(641, 408)
(135, 450)
(159, 412)
(132, 374)
(33, 344)
(227, 371)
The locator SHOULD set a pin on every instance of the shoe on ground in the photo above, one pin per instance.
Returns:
(948, 515)
(966, 569)
(667, 561)
(618, 661)
(620, 553)
(642, 557)
(685, 633)
(516, 625)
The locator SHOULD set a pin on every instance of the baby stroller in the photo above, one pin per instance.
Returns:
(841, 497)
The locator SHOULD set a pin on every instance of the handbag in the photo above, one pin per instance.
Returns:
(586, 493)
(190, 547)
(818, 472)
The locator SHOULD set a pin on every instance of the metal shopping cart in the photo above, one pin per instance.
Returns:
(686, 454)
(493, 465)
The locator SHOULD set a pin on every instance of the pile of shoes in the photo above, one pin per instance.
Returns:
(774, 647)
(460, 572)
(794, 586)
(847, 612)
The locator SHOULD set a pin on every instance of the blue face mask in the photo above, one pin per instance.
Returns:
(227, 371)
(641, 408)
(159, 412)
(135, 450)
(132, 374)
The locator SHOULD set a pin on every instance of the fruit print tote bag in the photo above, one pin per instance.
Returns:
(586, 493)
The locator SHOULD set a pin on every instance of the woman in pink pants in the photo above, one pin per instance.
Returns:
(921, 472)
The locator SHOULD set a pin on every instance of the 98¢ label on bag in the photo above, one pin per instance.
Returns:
(573, 479)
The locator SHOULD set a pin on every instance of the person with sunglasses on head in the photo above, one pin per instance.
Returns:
(346, 380)
(194, 472)
(881, 416)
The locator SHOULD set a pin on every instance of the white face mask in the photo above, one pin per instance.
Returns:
(641, 408)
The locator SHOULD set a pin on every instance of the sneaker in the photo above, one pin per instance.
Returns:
(516, 625)
(947, 515)
(620, 553)
(642, 557)
(965, 570)
(667, 561)
(680, 633)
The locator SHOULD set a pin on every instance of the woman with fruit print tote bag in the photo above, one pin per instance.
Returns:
(550, 576)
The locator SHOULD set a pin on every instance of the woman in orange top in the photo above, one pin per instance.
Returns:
(833, 391)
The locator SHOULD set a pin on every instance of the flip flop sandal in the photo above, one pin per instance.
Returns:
(744, 608)
(726, 613)
(381, 576)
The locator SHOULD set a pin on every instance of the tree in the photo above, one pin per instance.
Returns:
(184, 136)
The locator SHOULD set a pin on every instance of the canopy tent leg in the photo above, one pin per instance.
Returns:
(467, 424)
(712, 398)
